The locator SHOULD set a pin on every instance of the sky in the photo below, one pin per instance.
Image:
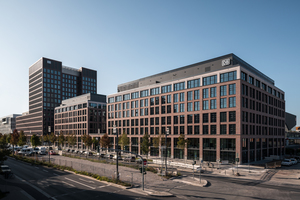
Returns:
(125, 40)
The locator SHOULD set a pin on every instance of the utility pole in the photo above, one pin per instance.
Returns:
(117, 150)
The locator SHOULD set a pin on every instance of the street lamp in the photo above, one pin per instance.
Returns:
(167, 133)
(117, 150)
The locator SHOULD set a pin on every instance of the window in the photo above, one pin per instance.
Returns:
(141, 103)
(182, 107)
(111, 100)
(134, 95)
(118, 98)
(154, 91)
(163, 109)
(126, 97)
(223, 103)
(223, 116)
(166, 89)
(257, 83)
(144, 93)
(244, 76)
(205, 129)
(205, 105)
(209, 80)
(232, 129)
(151, 101)
(232, 116)
(264, 87)
(229, 76)
(251, 80)
(193, 83)
(190, 119)
(169, 98)
(179, 86)
(213, 92)
(169, 109)
(205, 118)
(163, 99)
(175, 108)
(156, 110)
(213, 117)
(196, 94)
(181, 119)
(190, 106)
(213, 104)
(231, 102)
(223, 90)
(182, 96)
(213, 129)
(175, 121)
(223, 129)
(196, 106)
(156, 100)
(205, 93)
(232, 89)
(175, 98)
(196, 118)
(190, 96)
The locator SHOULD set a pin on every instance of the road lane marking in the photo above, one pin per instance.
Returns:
(81, 183)
(55, 174)
(45, 170)
(38, 189)
(68, 184)
(102, 186)
(86, 180)
(37, 167)
(27, 195)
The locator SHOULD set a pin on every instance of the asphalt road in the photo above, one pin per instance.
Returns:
(46, 183)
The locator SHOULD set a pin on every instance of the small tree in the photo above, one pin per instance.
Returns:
(4, 152)
(145, 144)
(72, 139)
(156, 141)
(52, 138)
(61, 139)
(22, 139)
(87, 139)
(95, 142)
(124, 140)
(181, 142)
(35, 140)
(105, 141)
(14, 138)
(8, 137)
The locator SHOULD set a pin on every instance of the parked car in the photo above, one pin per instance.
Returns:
(82, 152)
(4, 168)
(26, 152)
(72, 151)
(129, 159)
(139, 161)
(36, 150)
(286, 162)
(110, 156)
(68, 150)
(88, 153)
(42, 152)
(115, 157)
(294, 161)
(52, 152)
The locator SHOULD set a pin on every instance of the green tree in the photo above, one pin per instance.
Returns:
(4, 152)
(72, 139)
(181, 142)
(145, 144)
(8, 138)
(123, 140)
(105, 141)
(52, 138)
(87, 139)
(61, 139)
(156, 141)
(14, 138)
(22, 139)
(35, 140)
(95, 142)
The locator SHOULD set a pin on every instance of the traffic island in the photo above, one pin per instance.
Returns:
(191, 181)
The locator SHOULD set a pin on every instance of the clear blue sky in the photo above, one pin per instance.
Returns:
(129, 39)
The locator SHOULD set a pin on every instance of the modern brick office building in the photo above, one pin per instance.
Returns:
(225, 108)
(85, 114)
(49, 83)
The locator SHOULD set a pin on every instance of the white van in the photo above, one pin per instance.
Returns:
(26, 152)
(42, 151)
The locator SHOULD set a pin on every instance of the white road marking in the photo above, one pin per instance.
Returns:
(55, 174)
(68, 184)
(37, 167)
(86, 180)
(45, 170)
(81, 183)
(102, 186)
(27, 195)
(38, 189)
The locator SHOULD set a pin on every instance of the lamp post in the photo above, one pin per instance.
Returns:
(49, 131)
(117, 149)
(166, 150)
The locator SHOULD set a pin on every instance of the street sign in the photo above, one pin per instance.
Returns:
(201, 161)
(237, 159)
(145, 162)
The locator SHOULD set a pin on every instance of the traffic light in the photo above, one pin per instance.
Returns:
(141, 170)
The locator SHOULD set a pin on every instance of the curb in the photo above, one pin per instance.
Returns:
(193, 183)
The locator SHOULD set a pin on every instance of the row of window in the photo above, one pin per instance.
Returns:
(230, 76)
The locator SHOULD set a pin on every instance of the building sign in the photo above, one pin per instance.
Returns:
(225, 62)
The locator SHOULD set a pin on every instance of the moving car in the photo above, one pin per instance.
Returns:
(52, 152)
(294, 161)
(286, 162)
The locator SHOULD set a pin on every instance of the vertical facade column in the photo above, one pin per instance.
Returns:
(238, 149)
(172, 147)
(200, 148)
(218, 153)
